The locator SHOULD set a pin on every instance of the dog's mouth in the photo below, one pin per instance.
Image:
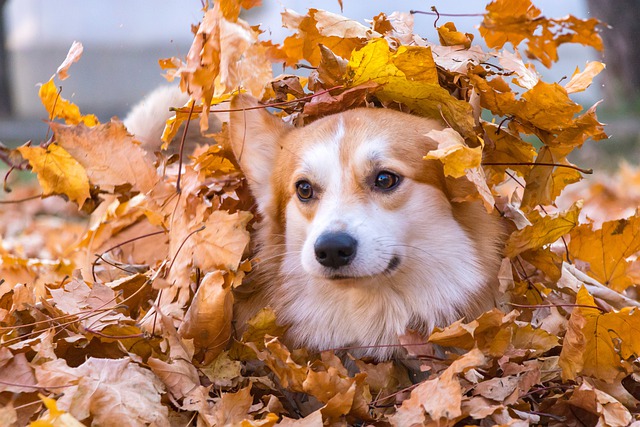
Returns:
(393, 265)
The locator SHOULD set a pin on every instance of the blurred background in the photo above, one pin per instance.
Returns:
(124, 39)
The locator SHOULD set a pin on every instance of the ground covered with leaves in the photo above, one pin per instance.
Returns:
(116, 298)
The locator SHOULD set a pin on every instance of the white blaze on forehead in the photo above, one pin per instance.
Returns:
(373, 150)
(321, 161)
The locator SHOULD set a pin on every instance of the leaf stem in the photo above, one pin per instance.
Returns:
(581, 170)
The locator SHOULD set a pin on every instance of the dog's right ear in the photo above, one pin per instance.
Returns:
(255, 140)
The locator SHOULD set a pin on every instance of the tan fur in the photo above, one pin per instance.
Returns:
(272, 156)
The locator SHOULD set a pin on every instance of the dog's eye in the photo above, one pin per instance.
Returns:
(386, 180)
(304, 190)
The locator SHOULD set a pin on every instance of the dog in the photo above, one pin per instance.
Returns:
(359, 238)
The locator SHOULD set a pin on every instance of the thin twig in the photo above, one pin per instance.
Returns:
(574, 167)
(184, 137)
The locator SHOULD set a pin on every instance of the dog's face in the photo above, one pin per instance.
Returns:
(361, 224)
(351, 193)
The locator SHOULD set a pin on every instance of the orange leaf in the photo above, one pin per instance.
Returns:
(607, 250)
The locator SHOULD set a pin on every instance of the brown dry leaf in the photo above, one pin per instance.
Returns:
(16, 374)
(542, 231)
(218, 246)
(58, 172)
(526, 74)
(231, 8)
(74, 54)
(177, 373)
(224, 55)
(607, 250)
(111, 391)
(58, 107)
(278, 358)
(109, 154)
(208, 318)
(609, 411)
(438, 400)
(233, 408)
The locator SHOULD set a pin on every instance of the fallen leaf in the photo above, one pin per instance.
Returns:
(58, 172)
(74, 54)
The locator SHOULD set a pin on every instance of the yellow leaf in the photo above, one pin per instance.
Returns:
(409, 76)
(58, 107)
(58, 172)
(542, 231)
(55, 417)
(607, 250)
(453, 152)
(582, 80)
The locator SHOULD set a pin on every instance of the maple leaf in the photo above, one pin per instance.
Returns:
(58, 107)
(543, 230)
(610, 412)
(108, 390)
(409, 76)
(514, 21)
(607, 250)
(597, 344)
(110, 156)
(224, 55)
(318, 27)
(438, 399)
(460, 160)
(544, 181)
(58, 172)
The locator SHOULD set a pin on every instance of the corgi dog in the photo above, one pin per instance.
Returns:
(359, 239)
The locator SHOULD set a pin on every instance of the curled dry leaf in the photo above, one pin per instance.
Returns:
(208, 319)
(74, 54)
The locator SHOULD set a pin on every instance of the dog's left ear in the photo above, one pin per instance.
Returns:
(255, 140)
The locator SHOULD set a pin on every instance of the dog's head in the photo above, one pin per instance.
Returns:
(351, 193)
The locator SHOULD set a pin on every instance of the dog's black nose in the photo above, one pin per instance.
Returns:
(336, 249)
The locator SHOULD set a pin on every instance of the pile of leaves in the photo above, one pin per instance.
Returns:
(116, 299)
